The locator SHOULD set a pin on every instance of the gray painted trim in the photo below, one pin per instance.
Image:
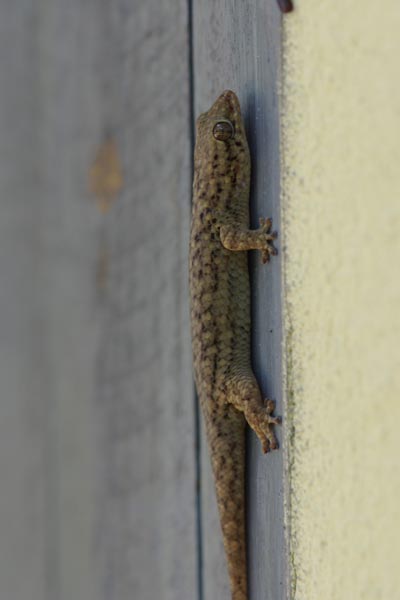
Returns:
(237, 46)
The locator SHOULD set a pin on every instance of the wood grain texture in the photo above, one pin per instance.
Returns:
(146, 522)
(237, 46)
(24, 539)
(97, 451)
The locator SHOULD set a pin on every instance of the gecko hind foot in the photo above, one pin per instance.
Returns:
(260, 418)
(269, 441)
(270, 407)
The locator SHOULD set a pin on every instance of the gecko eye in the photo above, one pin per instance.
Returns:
(223, 131)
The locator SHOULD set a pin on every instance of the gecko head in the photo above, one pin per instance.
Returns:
(221, 136)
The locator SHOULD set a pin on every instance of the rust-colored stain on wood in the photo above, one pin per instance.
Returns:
(105, 175)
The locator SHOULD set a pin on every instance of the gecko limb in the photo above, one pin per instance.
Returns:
(243, 392)
(236, 239)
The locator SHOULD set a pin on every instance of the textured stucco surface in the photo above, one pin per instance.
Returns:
(341, 228)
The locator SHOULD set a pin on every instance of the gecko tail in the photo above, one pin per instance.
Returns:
(226, 436)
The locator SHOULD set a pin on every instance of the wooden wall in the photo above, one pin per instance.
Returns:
(106, 491)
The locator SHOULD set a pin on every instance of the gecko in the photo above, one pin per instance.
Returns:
(227, 389)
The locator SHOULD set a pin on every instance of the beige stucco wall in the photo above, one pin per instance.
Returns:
(341, 203)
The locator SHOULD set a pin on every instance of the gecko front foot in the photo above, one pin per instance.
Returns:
(269, 249)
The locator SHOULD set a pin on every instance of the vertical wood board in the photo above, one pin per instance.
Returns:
(98, 462)
(147, 520)
(237, 46)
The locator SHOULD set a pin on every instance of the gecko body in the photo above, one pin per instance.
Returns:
(220, 316)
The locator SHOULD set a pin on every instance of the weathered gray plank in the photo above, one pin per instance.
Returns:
(24, 539)
(237, 46)
(97, 454)
(146, 522)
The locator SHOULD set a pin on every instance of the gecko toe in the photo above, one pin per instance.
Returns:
(265, 256)
(274, 443)
(266, 224)
(265, 445)
(268, 251)
(269, 442)
(269, 405)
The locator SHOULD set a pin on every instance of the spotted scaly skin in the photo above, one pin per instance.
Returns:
(220, 316)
